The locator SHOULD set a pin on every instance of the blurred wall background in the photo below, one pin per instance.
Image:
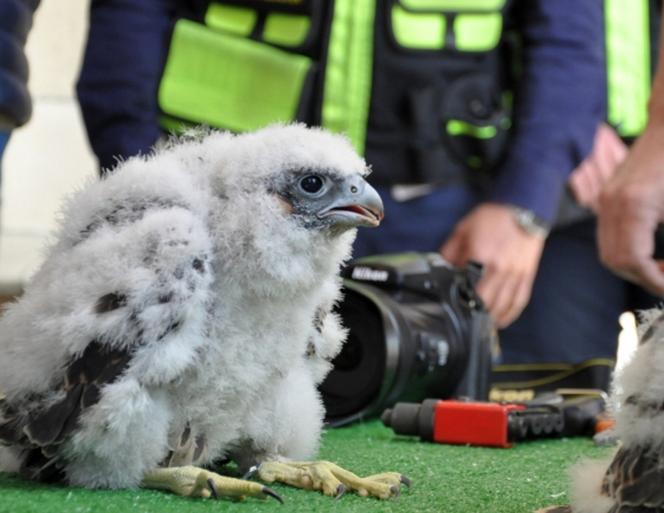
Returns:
(49, 157)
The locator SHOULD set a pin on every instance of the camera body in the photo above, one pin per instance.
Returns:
(417, 329)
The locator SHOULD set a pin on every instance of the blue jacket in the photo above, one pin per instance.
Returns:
(561, 99)
(15, 23)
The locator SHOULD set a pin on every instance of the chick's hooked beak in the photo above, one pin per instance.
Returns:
(354, 203)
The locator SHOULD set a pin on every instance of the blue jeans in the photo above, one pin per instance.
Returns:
(576, 302)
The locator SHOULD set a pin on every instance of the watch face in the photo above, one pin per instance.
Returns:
(530, 223)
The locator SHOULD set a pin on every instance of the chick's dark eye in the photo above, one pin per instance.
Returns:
(311, 184)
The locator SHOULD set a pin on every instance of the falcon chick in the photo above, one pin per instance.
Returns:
(632, 481)
(183, 316)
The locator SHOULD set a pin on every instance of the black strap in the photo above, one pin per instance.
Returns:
(591, 374)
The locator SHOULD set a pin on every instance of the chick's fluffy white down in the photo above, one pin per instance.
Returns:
(187, 272)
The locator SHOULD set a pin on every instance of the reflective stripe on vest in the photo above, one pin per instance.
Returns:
(286, 29)
(217, 73)
(348, 70)
(280, 28)
(455, 5)
(628, 64)
(463, 25)
(231, 18)
(220, 80)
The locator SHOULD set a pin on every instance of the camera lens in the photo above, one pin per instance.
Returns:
(416, 333)
(351, 355)
(360, 366)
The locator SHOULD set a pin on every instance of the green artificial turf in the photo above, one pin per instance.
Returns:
(451, 479)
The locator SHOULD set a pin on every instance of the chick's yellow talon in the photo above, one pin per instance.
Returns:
(192, 481)
(331, 479)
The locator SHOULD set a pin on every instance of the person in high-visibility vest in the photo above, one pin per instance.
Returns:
(631, 49)
(471, 112)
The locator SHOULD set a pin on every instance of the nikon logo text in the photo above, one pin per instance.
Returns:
(368, 274)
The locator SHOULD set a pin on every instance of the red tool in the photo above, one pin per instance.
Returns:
(474, 423)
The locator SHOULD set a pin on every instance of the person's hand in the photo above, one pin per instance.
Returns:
(588, 179)
(489, 234)
(630, 208)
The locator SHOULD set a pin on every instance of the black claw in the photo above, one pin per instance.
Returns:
(251, 472)
(341, 490)
(213, 489)
(406, 481)
(396, 491)
(272, 493)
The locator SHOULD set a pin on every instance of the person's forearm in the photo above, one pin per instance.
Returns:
(557, 108)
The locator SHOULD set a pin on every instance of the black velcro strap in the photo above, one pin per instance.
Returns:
(594, 374)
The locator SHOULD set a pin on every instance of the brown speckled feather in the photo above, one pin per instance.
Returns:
(635, 480)
(41, 425)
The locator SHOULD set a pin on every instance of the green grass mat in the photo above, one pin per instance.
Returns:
(449, 479)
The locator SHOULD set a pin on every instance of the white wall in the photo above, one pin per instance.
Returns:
(50, 156)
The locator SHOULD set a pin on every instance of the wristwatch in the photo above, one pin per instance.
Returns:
(529, 222)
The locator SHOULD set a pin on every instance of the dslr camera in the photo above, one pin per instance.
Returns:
(417, 329)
